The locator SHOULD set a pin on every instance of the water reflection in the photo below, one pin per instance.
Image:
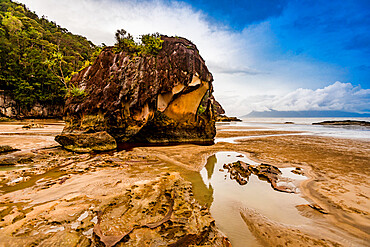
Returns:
(228, 197)
(210, 166)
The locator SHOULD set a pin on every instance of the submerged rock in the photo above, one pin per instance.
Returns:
(241, 171)
(145, 98)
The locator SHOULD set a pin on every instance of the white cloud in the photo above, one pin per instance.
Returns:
(337, 96)
(99, 19)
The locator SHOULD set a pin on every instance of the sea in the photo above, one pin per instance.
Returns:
(306, 125)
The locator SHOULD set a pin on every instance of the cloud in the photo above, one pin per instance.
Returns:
(337, 96)
(99, 19)
(232, 69)
(253, 51)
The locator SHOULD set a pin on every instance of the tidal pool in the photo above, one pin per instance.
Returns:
(226, 197)
(10, 168)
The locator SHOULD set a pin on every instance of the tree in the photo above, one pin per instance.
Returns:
(12, 23)
(37, 57)
(125, 42)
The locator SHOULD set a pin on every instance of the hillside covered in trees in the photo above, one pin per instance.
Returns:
(37, 58)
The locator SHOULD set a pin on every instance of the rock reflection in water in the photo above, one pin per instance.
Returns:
(229, 198)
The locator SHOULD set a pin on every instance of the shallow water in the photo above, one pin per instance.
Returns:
(228, 197)
(305, 125)
(10, 168)
(51, 174)
(239, 138)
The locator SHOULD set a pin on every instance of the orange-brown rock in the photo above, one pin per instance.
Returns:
(145, 98)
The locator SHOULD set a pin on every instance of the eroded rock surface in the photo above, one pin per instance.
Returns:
(241, 171)
(161, 213)
(88, 200)
(272, 233)
(145, 98)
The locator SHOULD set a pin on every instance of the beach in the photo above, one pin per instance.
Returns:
(44, 196)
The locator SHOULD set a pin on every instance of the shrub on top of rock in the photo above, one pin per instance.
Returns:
(150, 44)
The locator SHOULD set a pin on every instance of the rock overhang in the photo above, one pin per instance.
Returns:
(159, 96)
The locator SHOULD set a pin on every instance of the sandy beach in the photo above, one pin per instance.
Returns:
(44, 200)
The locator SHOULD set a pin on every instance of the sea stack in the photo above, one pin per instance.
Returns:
(158, 98)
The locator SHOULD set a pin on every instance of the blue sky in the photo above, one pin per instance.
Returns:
(277, 54)
(333, 32)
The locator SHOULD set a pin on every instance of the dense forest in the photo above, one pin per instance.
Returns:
(37, 56)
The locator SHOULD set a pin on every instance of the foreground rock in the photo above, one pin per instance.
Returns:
(346, 122)
(145, 98)
(88, 200)
(168, 216)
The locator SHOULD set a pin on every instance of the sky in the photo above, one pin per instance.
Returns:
(264, 55)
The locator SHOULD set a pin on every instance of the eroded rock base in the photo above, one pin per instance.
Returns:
(87, 142)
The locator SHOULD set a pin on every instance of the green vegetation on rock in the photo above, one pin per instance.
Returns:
(37, 56)
(150, 44)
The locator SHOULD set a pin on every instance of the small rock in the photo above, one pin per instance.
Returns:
(318, 208)
(32, 125)
(7, 148)
(298, 171)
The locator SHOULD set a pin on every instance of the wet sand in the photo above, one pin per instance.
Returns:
(225, 133)
(337, 189)
(338, 170)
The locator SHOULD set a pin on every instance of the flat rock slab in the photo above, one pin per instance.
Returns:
(87, 142)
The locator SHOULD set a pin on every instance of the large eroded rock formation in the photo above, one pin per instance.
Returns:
(145, 98)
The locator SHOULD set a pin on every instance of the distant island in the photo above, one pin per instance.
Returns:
(308, 114)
